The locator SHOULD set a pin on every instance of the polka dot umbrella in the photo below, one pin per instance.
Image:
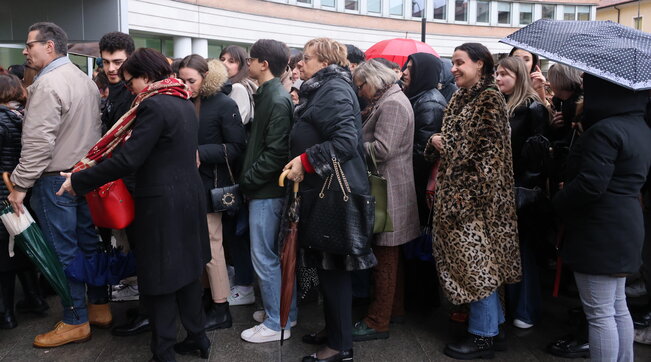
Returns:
(398, 50)
(605, 49)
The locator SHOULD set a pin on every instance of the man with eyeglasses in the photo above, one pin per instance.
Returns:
(61, 124)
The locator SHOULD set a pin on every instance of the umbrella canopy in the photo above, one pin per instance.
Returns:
(398, 50)
(29, 237)
(607, 50)
(289, 235)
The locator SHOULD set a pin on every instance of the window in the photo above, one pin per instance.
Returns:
(583, 13)
(417, 8)
(373, 6)
(637, 23)
(461, 10)
(569, 12)
(396, 7)
(304, 1)
(440, 9)
(329, 3)
(526, 14)
(549, 11)
(503, 13)
(483, 11)
(352, 4)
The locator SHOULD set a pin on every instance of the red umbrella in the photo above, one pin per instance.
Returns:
(288, 255)
(398, 50)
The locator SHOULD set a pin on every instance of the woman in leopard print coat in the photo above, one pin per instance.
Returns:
(475, 224)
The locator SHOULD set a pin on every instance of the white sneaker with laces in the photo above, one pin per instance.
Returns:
(128, 293)
(262, 334)
(241, 295)
(260, 316)
(522, 324)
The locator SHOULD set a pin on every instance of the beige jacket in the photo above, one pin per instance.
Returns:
(62, 122)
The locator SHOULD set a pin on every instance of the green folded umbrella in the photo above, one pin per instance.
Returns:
(28, 236)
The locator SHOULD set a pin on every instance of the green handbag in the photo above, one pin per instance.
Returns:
(378, 184)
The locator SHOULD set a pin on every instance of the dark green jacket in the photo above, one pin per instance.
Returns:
(268, 149)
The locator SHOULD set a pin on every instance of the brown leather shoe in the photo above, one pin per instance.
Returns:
(63, 334)
(99, 315)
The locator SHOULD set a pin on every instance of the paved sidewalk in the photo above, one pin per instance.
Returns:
(421, 338)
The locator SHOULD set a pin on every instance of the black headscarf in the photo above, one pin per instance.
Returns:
(425, 73)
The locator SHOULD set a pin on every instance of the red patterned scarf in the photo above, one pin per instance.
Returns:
(121, 130)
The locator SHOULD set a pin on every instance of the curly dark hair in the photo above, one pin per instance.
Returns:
(355, 54)
(115, 41)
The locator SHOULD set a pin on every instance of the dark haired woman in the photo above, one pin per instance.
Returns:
(234, 58)
(221, 140)
(475, 241)
(532, 61)
(172, 246)
(12, 95)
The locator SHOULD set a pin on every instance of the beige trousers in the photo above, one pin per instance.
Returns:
(216, 268)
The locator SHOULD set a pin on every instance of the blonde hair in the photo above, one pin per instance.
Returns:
(375, 74)
(523, 92)
(329, 51)
(565, 77)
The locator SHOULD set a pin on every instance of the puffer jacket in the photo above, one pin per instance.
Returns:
(219, 124)
(11, 124)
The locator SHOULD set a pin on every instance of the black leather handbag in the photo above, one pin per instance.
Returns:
(336, 221)
(227, 198)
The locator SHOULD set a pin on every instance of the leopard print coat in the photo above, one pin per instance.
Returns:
(475, 224)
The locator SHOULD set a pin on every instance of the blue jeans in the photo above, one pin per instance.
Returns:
(609, 321)
(264, 224)
(67, 226)
(485, 316)
(524, 298)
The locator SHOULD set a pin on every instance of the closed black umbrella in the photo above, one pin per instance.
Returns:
(607, 50)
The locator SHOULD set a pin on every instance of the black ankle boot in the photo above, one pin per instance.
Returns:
(218, 316)
(471, 347)
(33, 302)
(193, 344)
(7, 286)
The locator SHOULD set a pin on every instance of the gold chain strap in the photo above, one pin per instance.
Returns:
(341, 179)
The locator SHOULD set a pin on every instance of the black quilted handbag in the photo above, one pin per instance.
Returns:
(336, 221)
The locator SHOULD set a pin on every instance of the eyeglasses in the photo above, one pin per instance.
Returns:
(306, 58)
(249, 60)
(28, 45)
(127, 83)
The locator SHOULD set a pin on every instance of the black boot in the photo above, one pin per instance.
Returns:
(218, 316)
(33, 302)
(137, 325)
(8, 284)
(193, 344)
(471, 347)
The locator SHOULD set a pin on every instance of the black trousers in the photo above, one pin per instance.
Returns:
(337, 308)
(163, 310)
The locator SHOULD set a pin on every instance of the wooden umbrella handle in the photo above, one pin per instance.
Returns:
(5, 178)
(281, 180)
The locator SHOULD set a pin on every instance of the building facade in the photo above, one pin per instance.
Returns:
(626, 12)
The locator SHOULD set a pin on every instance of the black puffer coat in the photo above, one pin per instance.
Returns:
(11, 124)
(219, 124)
(600, 204)
(328, 117)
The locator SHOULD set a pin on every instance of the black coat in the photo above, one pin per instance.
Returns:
(171, 234)
(526, 121)
(328, 118)
(608, 166)
(117, 104)
(11, 124)
(219, 124)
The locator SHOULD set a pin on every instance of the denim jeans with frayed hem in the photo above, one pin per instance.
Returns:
(485, 316)
(264, 224)
(67, 226)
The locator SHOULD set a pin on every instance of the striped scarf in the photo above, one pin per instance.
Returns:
(121, 130)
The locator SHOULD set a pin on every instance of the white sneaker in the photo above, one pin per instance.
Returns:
(262, 334)
(521, 324)
(643, 335)
(260, 315)
(241, 295)
(128, 293)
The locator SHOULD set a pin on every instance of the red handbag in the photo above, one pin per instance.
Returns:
(111, 206)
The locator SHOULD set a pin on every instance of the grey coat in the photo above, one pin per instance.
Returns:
(389, 131)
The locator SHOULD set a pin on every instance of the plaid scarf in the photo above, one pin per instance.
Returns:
(121, 130)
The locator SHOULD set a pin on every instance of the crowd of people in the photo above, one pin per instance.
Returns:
(487, 165)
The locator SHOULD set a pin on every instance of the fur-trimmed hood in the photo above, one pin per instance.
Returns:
(215, 79)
